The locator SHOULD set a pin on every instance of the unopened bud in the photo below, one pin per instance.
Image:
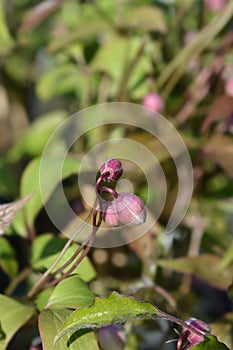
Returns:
(126, 209)
(112, 337)
(113, 170)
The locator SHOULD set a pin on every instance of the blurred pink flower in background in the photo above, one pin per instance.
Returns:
(153, 101)
(215, 5)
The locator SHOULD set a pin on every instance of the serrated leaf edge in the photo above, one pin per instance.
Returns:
(90, 325)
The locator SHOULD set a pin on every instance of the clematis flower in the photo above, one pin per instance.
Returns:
(188, 338)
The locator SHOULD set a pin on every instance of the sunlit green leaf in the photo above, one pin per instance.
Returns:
(13, 315)
(70, 293)
(49, 323)
(146, 17)
(115, 308)
(43, 297)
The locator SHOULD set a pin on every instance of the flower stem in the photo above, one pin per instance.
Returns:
(43, 279)
(176, 320)
(88, 242)
(72, 268)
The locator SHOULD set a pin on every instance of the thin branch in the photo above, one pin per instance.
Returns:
(85, 252)
(57, 260)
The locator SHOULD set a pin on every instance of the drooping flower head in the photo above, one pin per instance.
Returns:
(126, 209)
(188, 338)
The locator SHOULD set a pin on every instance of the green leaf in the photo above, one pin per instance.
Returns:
(43, 297)
(46, 249)
(84, 23)
(146, 17)
(70, 293)
(87, 30)
(210, 343)
(32, 143)
(61, 80)
(49, 323)
(19, 226)
(115, 308)
(124, 54)
(8, 261)
(30, 182)
(204, 266)
(13, 315)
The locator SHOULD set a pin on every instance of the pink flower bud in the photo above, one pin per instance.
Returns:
(190, 338)
(215, 5)
(113, 170)
(229, 86)
(126, 209)
(112, 337)
(153, 101)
